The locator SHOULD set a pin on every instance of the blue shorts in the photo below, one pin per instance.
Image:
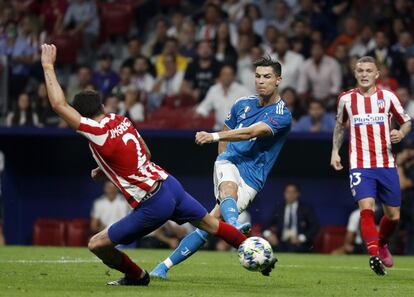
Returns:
(171, 202)
(380, 183)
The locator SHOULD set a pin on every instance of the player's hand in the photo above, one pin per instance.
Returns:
(203, 138)
(396, 136)
(97, 174)
(48, 54)
(336, 161)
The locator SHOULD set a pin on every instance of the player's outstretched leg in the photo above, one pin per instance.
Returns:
(387, 227)
(101, 245)
(369, 231)
(230, 213)
(188, 246)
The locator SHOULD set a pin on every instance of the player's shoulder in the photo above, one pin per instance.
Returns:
(251, 99)
(346, 95)
(388, 94)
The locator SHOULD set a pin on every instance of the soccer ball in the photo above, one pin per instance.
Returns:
(255, 253)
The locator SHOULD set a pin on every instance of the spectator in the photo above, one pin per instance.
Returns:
(187, 40)
(168, 235)
(269, 39)
(317, 119)
(353, 243)
(382, 53)
(125, 82)
(156, 39)
(134, 51)
(134, 107)
(167, 85)
(105, 78)
(177, 20)
(142, 79)
(170, 48)
(108, 208)
(291, 63)
(82, 18)
(363, 44)
(259, 23)
(301, 42)
(246, 75)
(349, 35)
(47, 117)
(20, 55)
(283, 19)
(83, 80)
(408, 80)
(52, 13)
(385, 80)
(112, 104)
(320, 77)
(293, 225)
(225, 52)
(407, 100)
(221, 96)
(245, 27)
(292, 102)
(22, 115)
(201, 73)
(208, 28)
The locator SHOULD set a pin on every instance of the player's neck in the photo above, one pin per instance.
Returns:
(267, 100)
(368, 91)
(99, 118)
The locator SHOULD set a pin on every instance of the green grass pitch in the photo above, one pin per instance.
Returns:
(44, 272)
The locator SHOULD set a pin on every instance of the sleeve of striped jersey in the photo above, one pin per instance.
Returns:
(231, 119)
(277, 122)
(93, 131)
(341, 113)
(397, 110)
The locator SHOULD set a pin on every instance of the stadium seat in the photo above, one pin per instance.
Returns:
(77, 232)
(49, 232)
(329, 238)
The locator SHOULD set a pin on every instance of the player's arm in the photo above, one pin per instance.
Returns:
(223, 144)
(397, 135)
(257, 130)
(55, 94)
(337, 140)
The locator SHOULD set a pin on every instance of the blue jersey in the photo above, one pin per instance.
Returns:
(254, 158)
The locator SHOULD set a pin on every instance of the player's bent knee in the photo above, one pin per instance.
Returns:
(228, 189)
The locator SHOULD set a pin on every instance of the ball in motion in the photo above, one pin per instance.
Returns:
(255, 253)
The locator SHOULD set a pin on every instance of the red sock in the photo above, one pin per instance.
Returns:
(230, 234)
(369, 231)
(387, 227)
(128, 267)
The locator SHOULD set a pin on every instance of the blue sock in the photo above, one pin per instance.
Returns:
(229, 210)
(188, 246)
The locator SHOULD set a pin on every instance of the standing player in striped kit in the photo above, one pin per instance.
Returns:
(373, 172)
(124, 159)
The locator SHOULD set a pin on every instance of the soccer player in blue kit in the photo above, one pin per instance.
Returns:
(254, 132)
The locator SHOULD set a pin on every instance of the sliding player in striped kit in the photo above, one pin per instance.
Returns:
(124, 158)
(373, 172)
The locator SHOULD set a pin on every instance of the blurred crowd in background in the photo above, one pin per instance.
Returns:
(181, 63)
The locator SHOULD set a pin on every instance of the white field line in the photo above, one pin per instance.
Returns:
(79, 261)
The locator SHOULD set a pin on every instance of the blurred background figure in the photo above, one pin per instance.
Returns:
(2, 241)
(317, 119)
(23, 114)
(108, 208)
(293, 225)
(168, 236)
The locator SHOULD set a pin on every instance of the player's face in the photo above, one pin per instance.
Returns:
(266, 80)
(366, 73)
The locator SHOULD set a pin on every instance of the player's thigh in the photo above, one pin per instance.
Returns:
(363, 184)
(389, 192)
(148, 216)
(226, 179)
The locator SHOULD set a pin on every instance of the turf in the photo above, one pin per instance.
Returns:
(40, 271)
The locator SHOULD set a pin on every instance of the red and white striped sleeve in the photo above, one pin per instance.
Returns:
(341, 113)
(93, 131)
(396, 108)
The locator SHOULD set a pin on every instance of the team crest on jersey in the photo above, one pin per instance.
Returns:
(228, 116)
(353, 192)
(381, 103)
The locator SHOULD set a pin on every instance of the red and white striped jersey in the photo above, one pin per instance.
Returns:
(370, 117)
(121, 154)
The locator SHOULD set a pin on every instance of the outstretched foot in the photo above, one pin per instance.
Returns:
(244, 228)
(144, 281)
(376, 265)
(160, 271)
(268, 269)
(385, 255)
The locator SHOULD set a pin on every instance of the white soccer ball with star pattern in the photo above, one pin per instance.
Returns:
(255, 253)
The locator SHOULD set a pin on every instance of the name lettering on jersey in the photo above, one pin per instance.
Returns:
(120, 129)
(369, 119)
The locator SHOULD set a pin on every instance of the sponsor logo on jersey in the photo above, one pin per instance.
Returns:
(246, 109)
(369, 119)
(381, 103)
(120, 129)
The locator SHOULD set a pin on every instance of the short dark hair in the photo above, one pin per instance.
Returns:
(88, 103)
(266, 61)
